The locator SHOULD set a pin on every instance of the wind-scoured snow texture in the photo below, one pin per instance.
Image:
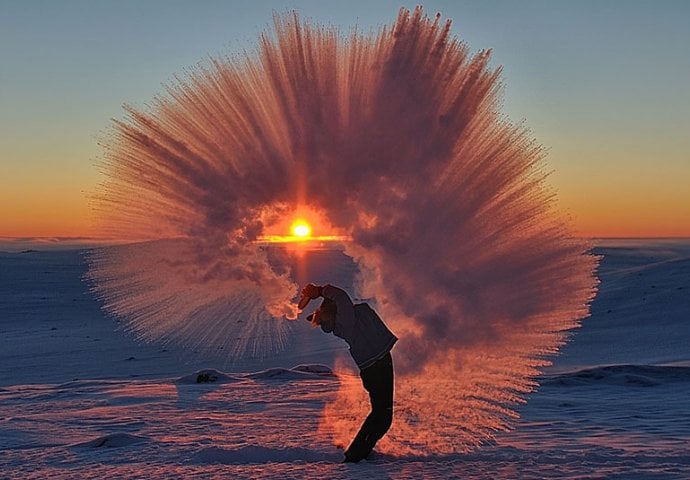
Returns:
(396, 140)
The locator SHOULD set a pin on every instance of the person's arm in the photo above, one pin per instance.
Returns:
(345, 314)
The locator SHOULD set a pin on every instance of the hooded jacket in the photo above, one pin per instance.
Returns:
(359, 325)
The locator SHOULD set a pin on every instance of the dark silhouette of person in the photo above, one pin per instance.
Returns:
(370, 344)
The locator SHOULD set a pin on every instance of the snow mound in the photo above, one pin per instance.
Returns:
(113, 440)
(623, 375)
(258, 454)
(315, 368)
(207, 375)
(299, 372)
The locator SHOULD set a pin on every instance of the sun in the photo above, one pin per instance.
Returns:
(301, 229)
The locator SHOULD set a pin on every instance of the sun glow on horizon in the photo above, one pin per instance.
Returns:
(300, 229)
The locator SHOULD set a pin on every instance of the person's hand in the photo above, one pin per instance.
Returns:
(309, 292)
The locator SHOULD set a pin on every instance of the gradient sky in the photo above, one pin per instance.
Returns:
(605, 85)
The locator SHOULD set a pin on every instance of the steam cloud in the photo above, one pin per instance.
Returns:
(397, 140)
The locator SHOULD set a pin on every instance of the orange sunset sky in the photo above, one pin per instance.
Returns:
(603, 87)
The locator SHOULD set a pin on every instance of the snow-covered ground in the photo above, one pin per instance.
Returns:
(81, 399)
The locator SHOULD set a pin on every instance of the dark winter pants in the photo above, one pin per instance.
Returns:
(378, 381)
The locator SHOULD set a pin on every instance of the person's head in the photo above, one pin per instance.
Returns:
(325, 314)
(327, 310)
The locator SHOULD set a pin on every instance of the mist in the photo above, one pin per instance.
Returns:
(396, 141)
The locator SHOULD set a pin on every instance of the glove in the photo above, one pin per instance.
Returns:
(309, 292)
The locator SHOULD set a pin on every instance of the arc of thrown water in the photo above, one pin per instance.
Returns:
(398, 140)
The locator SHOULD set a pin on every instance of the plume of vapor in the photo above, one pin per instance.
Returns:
(397, 139)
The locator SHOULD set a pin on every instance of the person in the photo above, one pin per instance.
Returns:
(370, 344)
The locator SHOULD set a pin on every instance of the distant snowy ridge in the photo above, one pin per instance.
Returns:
(295, 373)
(113, 440)
(298, 372)
(207, 375)
(624, 375)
